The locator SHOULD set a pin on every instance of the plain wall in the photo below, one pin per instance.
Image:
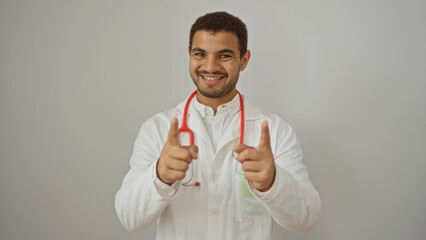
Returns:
(78, 78)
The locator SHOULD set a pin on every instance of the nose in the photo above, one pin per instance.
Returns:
(212, 64)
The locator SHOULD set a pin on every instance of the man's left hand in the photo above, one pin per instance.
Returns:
(258, 163)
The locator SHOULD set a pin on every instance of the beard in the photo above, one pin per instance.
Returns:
(210, 91)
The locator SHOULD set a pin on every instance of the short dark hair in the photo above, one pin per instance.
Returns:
(221, 21)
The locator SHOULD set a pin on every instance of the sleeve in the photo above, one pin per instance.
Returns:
(142, 197)
(292, 200)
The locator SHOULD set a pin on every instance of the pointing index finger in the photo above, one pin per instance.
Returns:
(173, 137)
(265, 141)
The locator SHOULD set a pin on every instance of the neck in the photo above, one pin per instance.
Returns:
(214, 103)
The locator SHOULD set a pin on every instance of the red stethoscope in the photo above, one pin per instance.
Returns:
(185, 128)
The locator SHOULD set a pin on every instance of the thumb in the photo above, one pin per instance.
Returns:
(173, 137)
(238, 149)
(193, 149)
(264, 136)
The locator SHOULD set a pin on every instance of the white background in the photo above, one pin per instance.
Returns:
(78, 78)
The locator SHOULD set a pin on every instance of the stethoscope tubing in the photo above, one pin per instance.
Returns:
(184, 128)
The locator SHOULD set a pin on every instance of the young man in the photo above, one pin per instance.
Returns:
(227, 184)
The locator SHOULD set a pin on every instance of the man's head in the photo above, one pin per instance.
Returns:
(218, 52)
(221, 21)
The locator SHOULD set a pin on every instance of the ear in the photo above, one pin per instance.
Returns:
(244, 60)
(189, 50)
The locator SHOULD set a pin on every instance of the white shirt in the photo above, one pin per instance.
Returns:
(217, 124)
(219, 208)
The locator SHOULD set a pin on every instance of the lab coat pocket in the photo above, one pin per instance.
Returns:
(246, 207)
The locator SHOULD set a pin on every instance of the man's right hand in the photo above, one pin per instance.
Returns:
(174, 159)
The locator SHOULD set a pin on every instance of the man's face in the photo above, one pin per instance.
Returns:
(215, 63)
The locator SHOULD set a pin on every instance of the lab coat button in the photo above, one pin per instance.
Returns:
(214, 212)
(213, 179)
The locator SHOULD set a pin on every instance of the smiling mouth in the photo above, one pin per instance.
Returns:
(212, 78)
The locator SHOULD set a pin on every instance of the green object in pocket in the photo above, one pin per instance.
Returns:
(245, 192)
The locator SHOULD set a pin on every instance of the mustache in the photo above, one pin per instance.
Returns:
(214, 73)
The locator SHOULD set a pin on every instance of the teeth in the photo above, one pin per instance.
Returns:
(211, 78)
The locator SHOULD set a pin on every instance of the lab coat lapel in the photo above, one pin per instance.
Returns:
(233, 132)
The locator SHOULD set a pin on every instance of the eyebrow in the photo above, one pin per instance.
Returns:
(226, 50)
(197, 49)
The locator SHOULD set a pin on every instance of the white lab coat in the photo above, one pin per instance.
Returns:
(218, 208)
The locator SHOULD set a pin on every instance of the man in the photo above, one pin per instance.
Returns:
(217, 188)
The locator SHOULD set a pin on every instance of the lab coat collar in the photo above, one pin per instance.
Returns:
(251, 112)
(231, 107)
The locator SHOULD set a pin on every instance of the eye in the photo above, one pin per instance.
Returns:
(199, 54)
(224, 56)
